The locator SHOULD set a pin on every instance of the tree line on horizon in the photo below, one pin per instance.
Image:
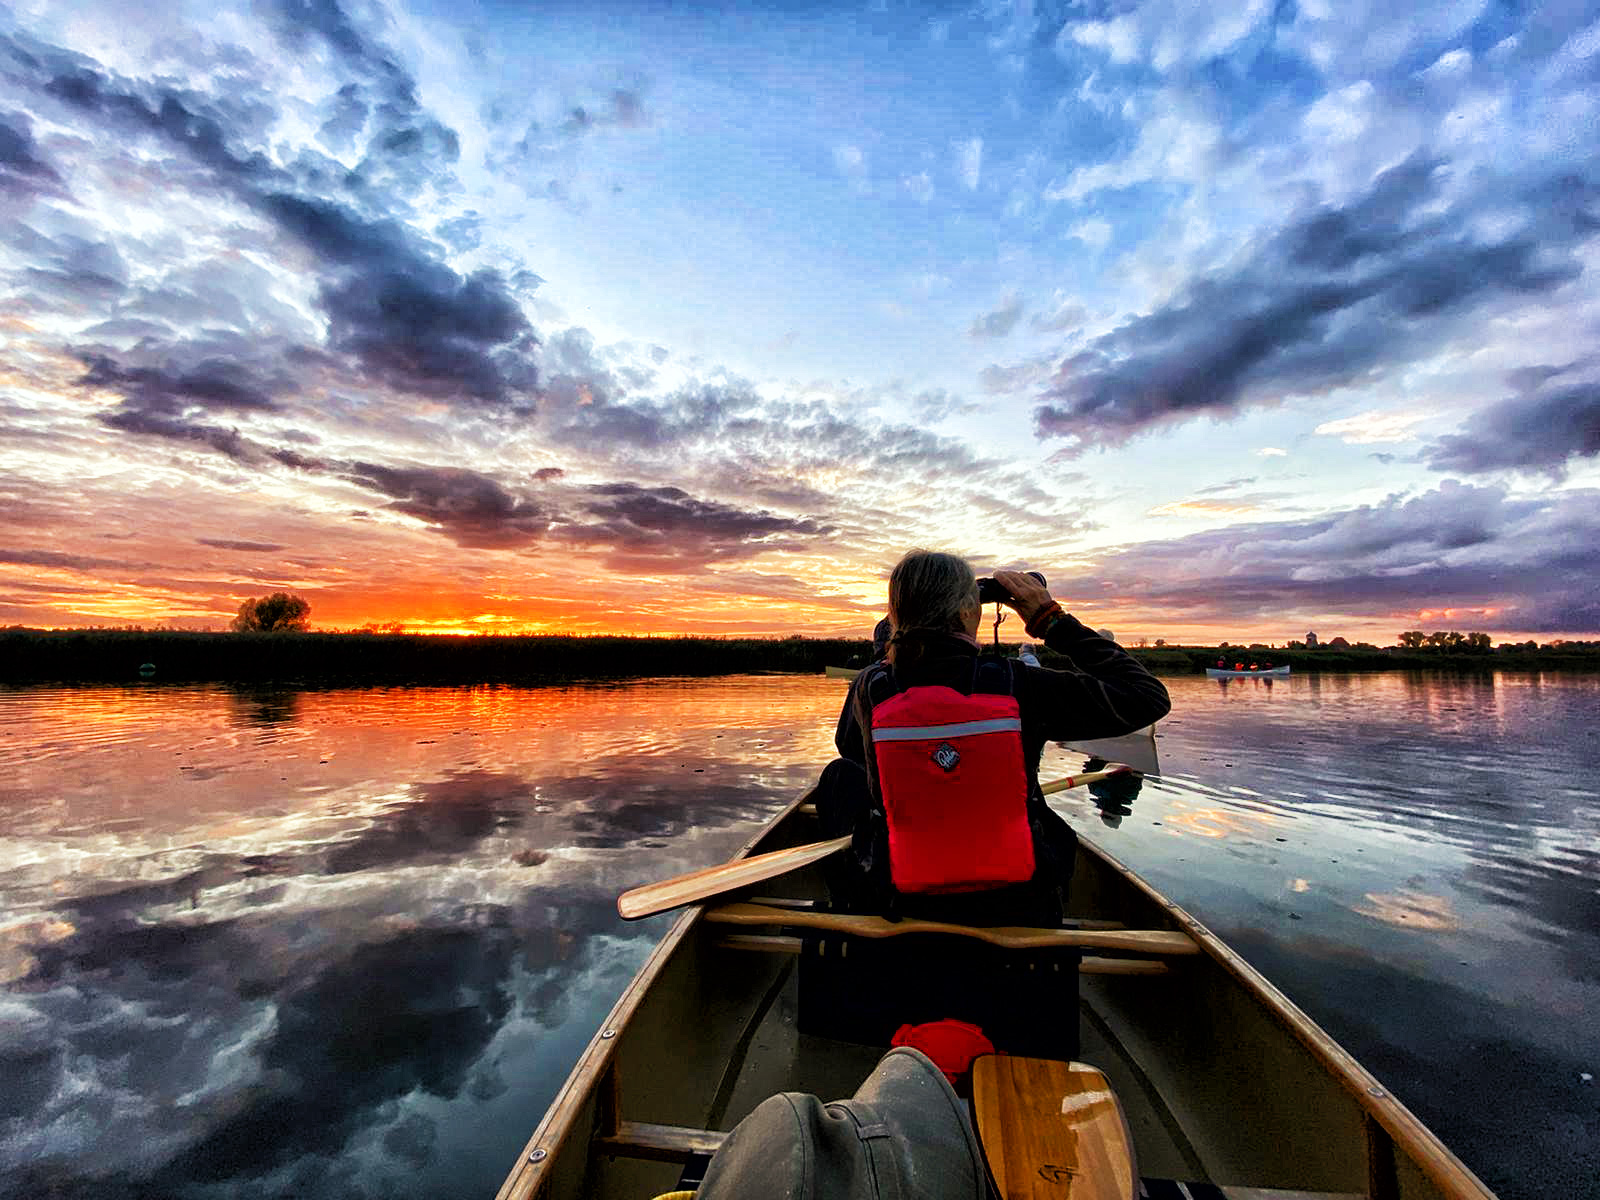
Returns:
(288, 612)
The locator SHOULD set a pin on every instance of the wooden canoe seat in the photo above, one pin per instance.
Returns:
(1051, 1130)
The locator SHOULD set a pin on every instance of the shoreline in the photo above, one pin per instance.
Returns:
(108, 656)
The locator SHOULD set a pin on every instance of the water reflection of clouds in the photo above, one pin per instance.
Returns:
(1420, 862)
(1410, 909)
(312, 985)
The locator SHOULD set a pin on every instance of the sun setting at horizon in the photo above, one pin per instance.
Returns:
(623, 319)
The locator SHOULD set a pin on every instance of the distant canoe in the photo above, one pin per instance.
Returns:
(841, 672)
(1270, 672)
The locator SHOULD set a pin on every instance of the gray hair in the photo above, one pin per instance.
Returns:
(930, 592)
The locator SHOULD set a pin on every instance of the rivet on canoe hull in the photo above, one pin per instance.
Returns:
(1378, 1092)
(607, 1033)
(537, 1156)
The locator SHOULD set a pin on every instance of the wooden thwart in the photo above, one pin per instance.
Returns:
(1051, 1130)
(659, 1143)
(1014, 937)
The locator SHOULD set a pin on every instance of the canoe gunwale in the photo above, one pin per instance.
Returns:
(1407, 1132)
(1383, 1113)
(587, 1073)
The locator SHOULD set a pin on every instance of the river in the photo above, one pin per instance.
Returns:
(259, 942)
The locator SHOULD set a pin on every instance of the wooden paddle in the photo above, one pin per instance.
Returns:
(652, 898)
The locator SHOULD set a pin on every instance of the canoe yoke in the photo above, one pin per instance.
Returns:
(1012, 937)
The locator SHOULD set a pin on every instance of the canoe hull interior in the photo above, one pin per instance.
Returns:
(1221, 1078)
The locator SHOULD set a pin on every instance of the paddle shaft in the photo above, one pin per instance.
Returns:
(652, 898)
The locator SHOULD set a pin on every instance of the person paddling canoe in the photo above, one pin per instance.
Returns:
(939, 748)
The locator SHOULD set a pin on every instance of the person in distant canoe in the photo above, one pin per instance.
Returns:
(938, 774)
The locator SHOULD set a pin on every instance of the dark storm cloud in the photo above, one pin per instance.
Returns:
(22, 171)
(1333, 295)
(406, 317)
(1551, 419)
(626, 520)
(253, 547)
(67, 562)
(471, 509)
(636, 523)
(212, 384)
(228, 442)
(173, 400)
(65, 269)
(1458, 546)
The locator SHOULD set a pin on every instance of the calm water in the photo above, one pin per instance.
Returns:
(347, 943)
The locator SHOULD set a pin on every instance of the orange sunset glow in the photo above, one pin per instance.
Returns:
(444, 335)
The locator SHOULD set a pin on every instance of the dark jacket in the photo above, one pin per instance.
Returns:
(1104, 693)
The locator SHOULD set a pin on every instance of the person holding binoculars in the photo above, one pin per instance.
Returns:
(939, 748)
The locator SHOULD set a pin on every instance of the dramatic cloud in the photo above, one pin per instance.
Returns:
(1337, 293)
(471, 509)
(1553, 418)
(251, 547)
(1531, 561)
(629, 524)
(22, 171)
(637, 525)
(404, 315)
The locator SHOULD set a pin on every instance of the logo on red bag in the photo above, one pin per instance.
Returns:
(946, 756)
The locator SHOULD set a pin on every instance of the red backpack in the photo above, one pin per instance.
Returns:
(947, 772)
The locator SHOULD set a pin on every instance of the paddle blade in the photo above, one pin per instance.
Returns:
(1137, 749)
(654, 898)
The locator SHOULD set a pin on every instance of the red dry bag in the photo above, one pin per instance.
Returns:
(952, 784)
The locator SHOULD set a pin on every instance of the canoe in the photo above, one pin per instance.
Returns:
(1220, 1077)
(841, 672)
(1269, 672)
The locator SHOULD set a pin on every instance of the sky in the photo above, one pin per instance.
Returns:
(1237, 321)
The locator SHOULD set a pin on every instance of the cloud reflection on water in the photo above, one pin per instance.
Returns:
(321, 989)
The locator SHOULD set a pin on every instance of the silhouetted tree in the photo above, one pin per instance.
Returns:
(1412, 638)
(276, 613)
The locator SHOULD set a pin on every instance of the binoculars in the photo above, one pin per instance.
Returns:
(990, 592)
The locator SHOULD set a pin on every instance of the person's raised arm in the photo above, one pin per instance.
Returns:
(1105, 692)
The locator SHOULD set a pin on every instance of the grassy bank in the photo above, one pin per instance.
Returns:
(28, 655)
(105, 655)
(1184, 660)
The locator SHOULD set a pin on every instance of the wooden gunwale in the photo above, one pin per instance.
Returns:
(553, 1131)
(1447, 1172)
